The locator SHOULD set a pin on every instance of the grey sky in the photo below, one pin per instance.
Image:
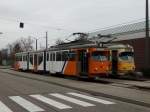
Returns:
(71, 15)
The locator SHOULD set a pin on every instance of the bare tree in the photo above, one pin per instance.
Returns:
(21, 45)
(26, 43)
(59, 41)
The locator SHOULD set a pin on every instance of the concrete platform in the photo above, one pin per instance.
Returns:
(129, 83)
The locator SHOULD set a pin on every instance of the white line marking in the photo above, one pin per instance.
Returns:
(26, 104)
(91, 98)
(73, 100)
(50, 102)
(4, 108)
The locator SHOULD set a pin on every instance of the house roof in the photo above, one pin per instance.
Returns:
(124, 32)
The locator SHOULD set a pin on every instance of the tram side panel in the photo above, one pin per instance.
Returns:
(75, 65)
(47, 62)
(21, 61)
(24, 62)
(40, 61)
(36, 61)
(59, 63)
(70, 64)
(52, 63)
(18, 60)
(31, 61)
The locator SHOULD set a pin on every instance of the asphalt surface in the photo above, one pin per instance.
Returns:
(18, 94)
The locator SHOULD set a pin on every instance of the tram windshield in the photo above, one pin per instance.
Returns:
(126, 56)
(99, 56)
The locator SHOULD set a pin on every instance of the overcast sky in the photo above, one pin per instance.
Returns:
(62, 17)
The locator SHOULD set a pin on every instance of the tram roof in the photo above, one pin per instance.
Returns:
(87, 44)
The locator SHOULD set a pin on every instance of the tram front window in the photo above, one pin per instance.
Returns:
(99, 56)
(126, 56)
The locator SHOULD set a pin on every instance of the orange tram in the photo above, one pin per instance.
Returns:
(80, 60)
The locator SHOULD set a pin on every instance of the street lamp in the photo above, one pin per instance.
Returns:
(46, 40)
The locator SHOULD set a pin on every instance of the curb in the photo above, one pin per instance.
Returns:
(88, 91)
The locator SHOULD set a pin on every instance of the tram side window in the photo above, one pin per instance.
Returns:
(58, 56)
(64, 55)
(31, 59)
(47, 56)
(72, 56)
(40, 58)
(18, 58)
(53, 57)
(25, 58)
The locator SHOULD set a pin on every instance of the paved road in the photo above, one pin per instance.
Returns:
(19, 94)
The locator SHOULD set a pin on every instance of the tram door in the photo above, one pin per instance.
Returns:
(83, 63)
(35, 62)
(114, 62)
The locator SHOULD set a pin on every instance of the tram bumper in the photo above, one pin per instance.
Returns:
(125, 72)
(100, 74)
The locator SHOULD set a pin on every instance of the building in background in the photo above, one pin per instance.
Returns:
(4, 57)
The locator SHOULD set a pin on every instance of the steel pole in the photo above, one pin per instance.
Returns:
(46, 40)
(36, 44)
(147, 53)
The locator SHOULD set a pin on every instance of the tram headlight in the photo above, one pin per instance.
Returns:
(96, 69)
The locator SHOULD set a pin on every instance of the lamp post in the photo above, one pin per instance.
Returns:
(36, 42)
(46, 40)
(36, 39)
(147, 40)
